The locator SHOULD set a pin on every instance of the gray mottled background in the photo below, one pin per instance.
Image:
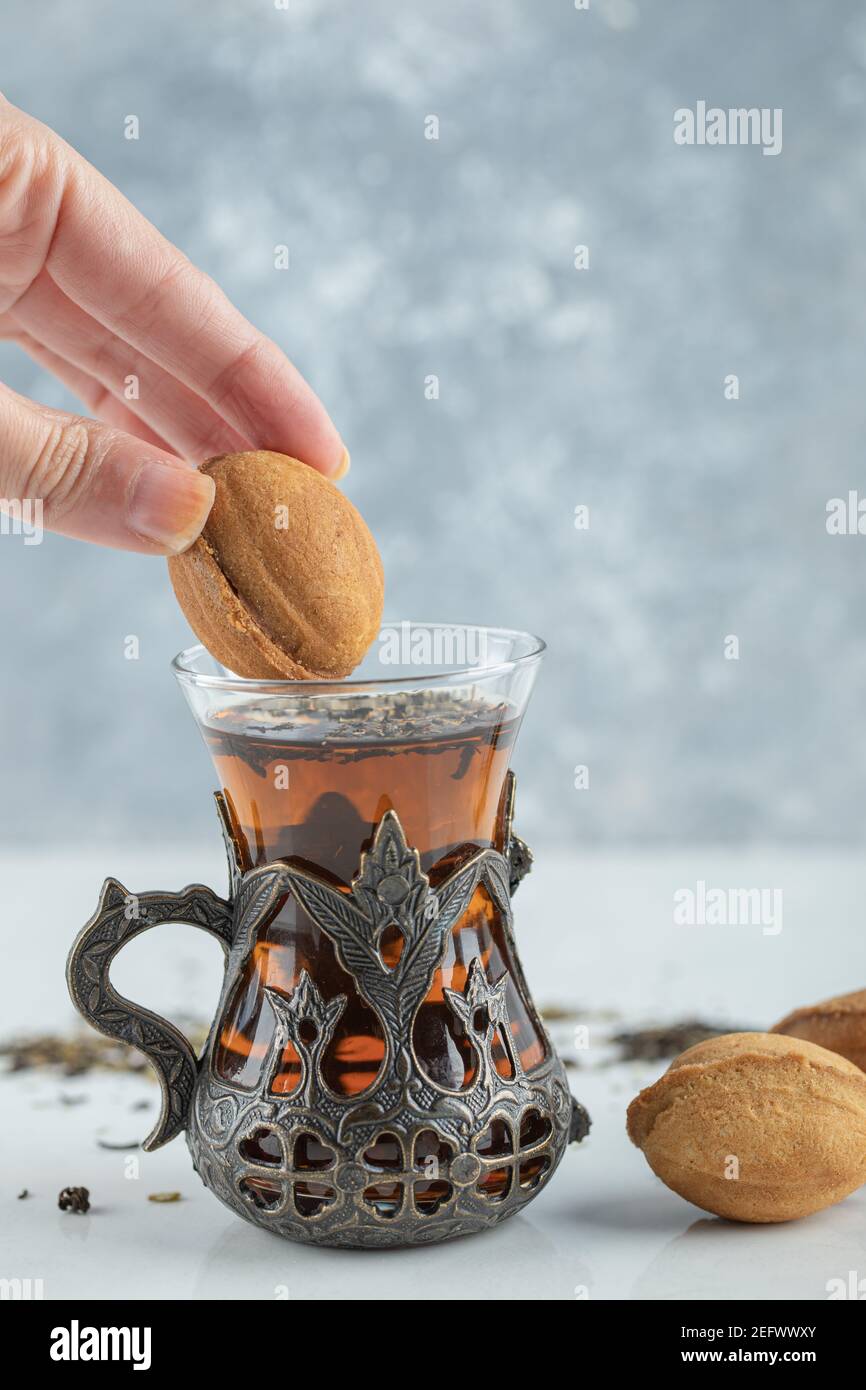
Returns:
(412, 257)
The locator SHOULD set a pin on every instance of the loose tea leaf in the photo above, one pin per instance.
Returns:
(75, 1199)
(81, 1053)
(74, 1056)
(558, 1013)
(655, 1044)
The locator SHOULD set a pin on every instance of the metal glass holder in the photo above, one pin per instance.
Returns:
(406, 1162)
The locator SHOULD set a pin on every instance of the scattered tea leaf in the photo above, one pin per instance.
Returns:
(558, 1013)
(81, 1053)
(657, 1044)
(75, 1199)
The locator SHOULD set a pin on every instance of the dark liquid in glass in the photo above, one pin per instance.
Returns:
(310, 785)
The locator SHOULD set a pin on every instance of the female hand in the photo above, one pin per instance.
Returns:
(94, 293)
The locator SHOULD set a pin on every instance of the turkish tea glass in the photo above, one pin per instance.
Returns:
(377, 1073)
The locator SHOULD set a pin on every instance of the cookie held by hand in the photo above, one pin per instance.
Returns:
(285, 581)
(839, 1024)
(755, 1127)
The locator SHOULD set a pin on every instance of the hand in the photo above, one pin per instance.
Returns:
(94, 293)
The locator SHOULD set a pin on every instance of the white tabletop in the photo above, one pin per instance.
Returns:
(598, 941)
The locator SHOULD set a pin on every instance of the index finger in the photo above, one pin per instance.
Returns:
(112, 262)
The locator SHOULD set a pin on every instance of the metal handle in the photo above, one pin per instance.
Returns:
(120, 917)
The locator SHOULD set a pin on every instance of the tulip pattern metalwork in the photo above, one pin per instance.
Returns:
(409, 1161)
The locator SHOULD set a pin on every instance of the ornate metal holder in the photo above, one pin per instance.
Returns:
(407, 1161)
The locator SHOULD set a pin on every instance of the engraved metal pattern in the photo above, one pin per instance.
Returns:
(408, 1161)
(517, 852)
(119, 918)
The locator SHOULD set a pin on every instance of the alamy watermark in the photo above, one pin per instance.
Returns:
(406, 644)
(729, 907)
(738, 125)
(846, 516)
(77, 1343)
(22, 516)
(21, 1290)
(853, 1286)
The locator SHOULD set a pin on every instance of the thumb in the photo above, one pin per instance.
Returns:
(96, 483)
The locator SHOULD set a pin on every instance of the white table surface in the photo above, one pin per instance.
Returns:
(597, 935)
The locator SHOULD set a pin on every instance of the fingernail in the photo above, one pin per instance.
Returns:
(344, 466)
(170, 505)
